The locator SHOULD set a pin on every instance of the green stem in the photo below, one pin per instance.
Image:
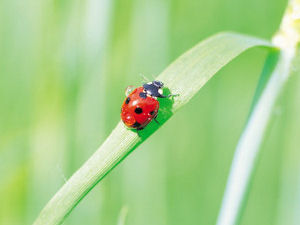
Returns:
(247, 150)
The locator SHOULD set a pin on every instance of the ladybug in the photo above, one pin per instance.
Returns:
(140, 107)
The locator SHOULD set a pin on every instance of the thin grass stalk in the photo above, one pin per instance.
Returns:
(247, 150)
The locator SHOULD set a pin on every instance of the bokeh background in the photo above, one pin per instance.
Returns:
(64, 66)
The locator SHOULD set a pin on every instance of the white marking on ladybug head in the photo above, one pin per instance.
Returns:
(160, 91)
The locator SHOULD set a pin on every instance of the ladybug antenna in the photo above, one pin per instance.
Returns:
(145, 79)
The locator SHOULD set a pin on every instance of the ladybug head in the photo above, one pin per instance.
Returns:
(158, 84)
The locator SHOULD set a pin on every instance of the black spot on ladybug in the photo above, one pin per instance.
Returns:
(127, 100)
(136, 125)
(138, 110)
(143, 95)
(152, 113)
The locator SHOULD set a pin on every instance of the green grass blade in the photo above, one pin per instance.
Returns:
(184, 77)
(192, 70)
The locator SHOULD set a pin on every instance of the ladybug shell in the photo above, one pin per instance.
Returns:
(137, 111)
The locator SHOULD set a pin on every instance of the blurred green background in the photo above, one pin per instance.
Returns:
(64, 66)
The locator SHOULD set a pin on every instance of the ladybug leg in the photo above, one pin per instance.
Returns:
(145, 79)
(129, 89)
(156, 120)
(172, 95)
(168, 96)
(138, 132)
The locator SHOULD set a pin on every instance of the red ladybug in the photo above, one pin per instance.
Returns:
(141, 105)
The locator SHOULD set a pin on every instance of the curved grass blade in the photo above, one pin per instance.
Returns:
(184, 77)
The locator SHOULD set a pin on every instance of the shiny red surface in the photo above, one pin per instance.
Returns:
(148, 105)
